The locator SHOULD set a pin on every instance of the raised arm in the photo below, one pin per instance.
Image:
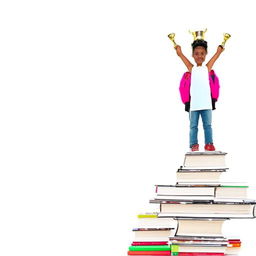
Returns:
(209, 65)
(188, 64)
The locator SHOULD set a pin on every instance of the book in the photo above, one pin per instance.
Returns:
(149, 253)
(200, 248)
(149, 243)
(191, 176)
(200, 227)
(152, 234)
(215, 201)
(199, 254)
(150, 248)
(231, 191)
(184, 198)
(206, 209)
(151, 220)
(172, 190)
(202, 169)
(200, 243)
(212, 184)
(206, 215)
(198, 238)
(213, 159)
(218, 190)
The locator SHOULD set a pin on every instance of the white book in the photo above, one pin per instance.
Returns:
(152, 235)
(150, 220)
(206, 249)
(208, 176)
(231, 192)
(199, 227)
(204, 208)
(183, 191)
(185, 198)
(214, 159)
(205, 215)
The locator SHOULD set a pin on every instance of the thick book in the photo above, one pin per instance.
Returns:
(213, 159)
(200, 227)
(204, 209)
(199, 175)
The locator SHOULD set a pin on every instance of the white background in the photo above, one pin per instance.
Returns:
(91, 119)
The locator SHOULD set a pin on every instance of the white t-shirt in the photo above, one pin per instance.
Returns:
(200, 90)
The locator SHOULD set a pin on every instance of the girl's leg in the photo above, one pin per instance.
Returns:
(193, 116)
(207, 124)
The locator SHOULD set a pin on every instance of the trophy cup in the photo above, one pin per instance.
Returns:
(171, 37)
(226, 37)
(198, 35)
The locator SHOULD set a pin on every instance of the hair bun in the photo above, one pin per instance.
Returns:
(199, 42)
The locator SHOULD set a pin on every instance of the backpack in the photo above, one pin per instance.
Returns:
(185, 86)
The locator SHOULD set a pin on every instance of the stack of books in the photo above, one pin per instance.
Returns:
(194, 209)
(152, 235)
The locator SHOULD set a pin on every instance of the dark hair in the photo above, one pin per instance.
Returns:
(199, 42)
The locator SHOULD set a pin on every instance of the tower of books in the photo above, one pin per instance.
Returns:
(192, 211)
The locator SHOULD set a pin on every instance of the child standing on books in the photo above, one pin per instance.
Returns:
(201, 103)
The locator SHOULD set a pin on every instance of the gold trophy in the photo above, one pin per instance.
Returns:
(226, 37)
(171, 37)
(198, 35)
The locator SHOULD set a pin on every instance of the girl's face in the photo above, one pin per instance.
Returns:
(199, 55)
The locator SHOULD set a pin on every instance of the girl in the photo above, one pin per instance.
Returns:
(201, 103)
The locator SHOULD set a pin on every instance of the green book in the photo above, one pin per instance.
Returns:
(150, 248)
(225, 186)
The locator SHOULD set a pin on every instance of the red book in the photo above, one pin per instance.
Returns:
(200, 254)
(149, 243)
(234, 241)
(150, 253)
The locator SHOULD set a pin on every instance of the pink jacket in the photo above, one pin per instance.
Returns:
(185, 86)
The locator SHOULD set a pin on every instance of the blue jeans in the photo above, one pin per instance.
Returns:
(206, 116)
